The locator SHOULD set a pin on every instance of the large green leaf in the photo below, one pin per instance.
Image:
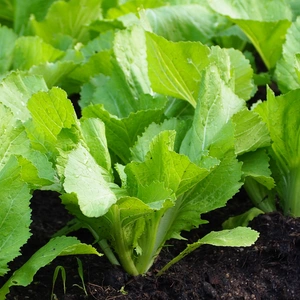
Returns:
(14, 215)
(264, 22)
(212, 130)
(174, 67)
(91, 183)
(51, 112)
(35, 169)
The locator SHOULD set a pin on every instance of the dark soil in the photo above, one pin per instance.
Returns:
(268, 270)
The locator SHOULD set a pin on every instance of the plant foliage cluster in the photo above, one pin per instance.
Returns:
(166, 130)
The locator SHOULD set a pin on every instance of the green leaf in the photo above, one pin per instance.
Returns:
(241, 74)
(212, 132)
(57, 246)
(210, 193)
(51, 112)
(91, 183)
(174, 67)
(132, 6)
(12, 136)
(237, 237)
(16, 89)
(251, 132)
(256, 165)
(142, 146)
(264, 22)
(67, 19)
(24, 9)
(7, 41)
(93, 131)
(122, 133)
(7, 12)
(197, 22)
(242, 219)
(15, 213)
(127, 80)
(32, 50)
(176, 171)
(130, 52)
(281, 116)
(286, 72)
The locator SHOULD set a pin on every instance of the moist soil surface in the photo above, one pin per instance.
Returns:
(270, 269)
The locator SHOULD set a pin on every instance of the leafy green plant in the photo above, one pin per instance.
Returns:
(165, 133)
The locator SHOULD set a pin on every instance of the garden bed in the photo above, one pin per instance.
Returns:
(268, 270)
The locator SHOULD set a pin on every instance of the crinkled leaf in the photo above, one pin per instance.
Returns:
(128, 81)
(91, 183)
(51, 112)
(142, 146)
(13, 138)
(16, 89)
(162, 164)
